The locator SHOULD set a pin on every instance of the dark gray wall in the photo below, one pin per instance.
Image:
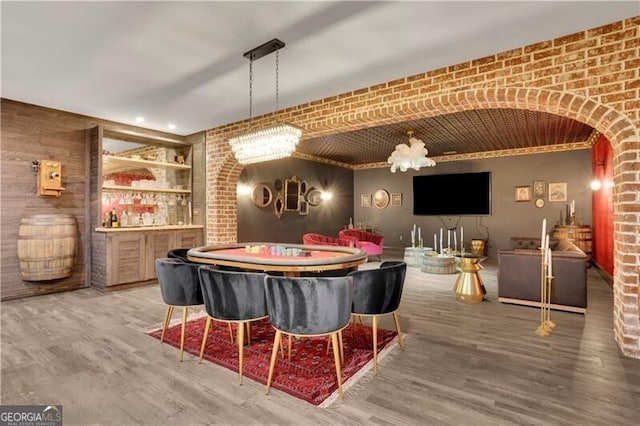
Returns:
(261, 224)
(509, 218)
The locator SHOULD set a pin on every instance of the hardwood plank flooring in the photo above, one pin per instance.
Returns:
(463, 365)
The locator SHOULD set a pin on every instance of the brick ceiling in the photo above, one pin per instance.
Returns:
(460, 133)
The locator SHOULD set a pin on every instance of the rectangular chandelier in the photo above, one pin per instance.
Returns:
(271, 143)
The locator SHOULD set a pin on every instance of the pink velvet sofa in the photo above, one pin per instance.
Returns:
(323, 240)
(368, 242)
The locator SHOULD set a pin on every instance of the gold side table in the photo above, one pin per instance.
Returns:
(469, 287)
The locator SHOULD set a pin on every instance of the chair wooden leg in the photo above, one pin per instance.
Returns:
(240, 351)
(397, 321)
(248, 332)
(281, 346)
(274, 355)
(184, 328)
(165, 323)
(336, 359)
(341, 344)
(205, 336)
(289, 344)
(230, 332)
(374, 331)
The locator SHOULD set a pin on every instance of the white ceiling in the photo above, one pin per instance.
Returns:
(182, 63)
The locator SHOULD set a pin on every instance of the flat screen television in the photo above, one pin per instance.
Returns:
(452, 194)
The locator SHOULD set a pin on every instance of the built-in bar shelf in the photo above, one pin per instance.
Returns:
(132, 189)
(114, 164)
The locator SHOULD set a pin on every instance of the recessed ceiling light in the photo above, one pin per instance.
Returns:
(171, 126)
(449, 152)
(140, 119)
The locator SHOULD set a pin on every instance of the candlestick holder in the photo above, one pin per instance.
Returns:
(546, 325)
(547, 322)
(420, 243)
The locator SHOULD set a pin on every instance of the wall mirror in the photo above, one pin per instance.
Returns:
(304, 208)
(381, 199)
(261, 195)
(278, 205)
(292, 194)
(314, 197)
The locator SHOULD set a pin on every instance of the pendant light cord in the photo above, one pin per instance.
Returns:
(250, 89)
(277, 79)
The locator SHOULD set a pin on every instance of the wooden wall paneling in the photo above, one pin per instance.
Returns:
(198, 177)
(29, 133)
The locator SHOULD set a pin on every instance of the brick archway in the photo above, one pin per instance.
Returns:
(223, 171)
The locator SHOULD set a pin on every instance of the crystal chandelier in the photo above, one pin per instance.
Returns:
(412, 156)
(273, 142)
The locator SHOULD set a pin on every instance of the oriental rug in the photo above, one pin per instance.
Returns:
(309, 375)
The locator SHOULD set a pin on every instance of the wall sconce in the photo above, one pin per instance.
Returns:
(596, 184)
(244, 189)
(326, 195)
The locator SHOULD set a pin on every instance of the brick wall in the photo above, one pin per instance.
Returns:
(591, 76)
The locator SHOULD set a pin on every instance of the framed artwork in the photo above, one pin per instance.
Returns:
(365, 200)
(538, 188)
(396, 199)
(558, 191)
(523, 193)
(381, 199)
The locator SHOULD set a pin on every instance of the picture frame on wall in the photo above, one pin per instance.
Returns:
(381, 199)
(538, 188)
(365, 200)
(396, 199)
(558, 191)
(523, 193)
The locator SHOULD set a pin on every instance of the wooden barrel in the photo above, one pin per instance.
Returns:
(439, 265)
(47, 245)
(580, 235)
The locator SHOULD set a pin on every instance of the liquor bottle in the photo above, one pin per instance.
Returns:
(114, 219)
(124, 219)
(350, 223)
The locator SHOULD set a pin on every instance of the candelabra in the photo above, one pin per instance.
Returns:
(546, 325)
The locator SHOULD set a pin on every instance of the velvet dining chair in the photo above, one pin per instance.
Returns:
(308, 307)
(179, 286)
(178, 253)
(232, 297)
(377, 292)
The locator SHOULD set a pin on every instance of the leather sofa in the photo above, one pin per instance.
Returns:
(519, 275)
(370, 243)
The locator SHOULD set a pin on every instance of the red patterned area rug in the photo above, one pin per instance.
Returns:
(309, 375)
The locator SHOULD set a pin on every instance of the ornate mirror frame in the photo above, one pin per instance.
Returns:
(292, 194)
(261, 195)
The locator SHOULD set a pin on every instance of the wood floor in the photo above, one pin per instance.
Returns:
(464, 365)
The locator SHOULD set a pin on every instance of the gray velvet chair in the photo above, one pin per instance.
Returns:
(308, 307)
(180, 286)
(178, 253)
(378, 292)
(232, 297)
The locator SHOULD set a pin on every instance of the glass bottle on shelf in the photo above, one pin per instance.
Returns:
(124, 219)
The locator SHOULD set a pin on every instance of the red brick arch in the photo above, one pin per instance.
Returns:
(223, 170)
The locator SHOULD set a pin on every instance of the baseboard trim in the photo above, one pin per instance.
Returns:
(534, 304)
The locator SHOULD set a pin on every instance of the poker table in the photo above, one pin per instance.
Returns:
(309, 258)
